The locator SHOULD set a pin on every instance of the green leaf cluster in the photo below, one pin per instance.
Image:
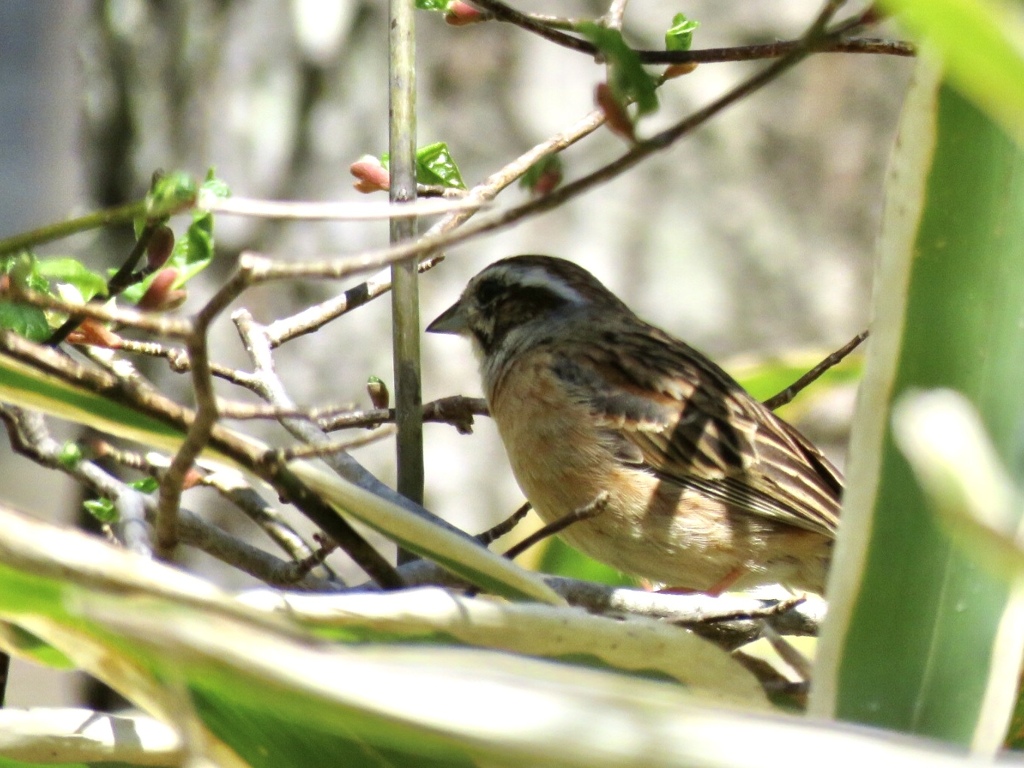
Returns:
(629, 81)
(679, 36)
(63, 277)
(103, 509)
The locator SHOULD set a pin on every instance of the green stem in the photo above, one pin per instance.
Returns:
(120, 215)
(405, 290)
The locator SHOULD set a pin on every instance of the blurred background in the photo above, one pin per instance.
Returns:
(751, 239)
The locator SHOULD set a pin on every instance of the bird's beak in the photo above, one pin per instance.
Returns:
(452, 320)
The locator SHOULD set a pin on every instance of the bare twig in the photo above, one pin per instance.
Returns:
(832, 44)
(232, 487)
(273, 391)
(179, 362)
(730, 620)
(154, 405)
(593, 509)
(505, 526)
(321, 450)
(786, 396)
(29, 438)
(455, 410)
(337, 211)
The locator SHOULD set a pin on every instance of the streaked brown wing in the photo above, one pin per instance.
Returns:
(665, 406)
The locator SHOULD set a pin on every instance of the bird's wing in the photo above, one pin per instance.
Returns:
(664, 406)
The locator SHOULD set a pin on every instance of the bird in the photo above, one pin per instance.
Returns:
(676, 474)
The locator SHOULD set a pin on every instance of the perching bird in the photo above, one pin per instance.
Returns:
(692, 482)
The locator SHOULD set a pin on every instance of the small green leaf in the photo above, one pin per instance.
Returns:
(73, 272)
(628, 79)
(70, 454)
(23, 268)
(438, 6)
(544, 175)
(102, 509)
(679, 36)
(213, 186)
(170, 194)
(435, 165)
(26, 321)
(145, 485)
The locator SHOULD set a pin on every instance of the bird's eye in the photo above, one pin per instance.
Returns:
(488, 291)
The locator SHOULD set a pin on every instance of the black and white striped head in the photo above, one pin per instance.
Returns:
(520, 291)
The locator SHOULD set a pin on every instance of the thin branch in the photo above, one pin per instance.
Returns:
(503, 12)
(120, 215)
(272, 390)
(455, 410)
(786, 396)
(505, 526)
(262, 269)
(143, 321)
(165, 411)
(593, 509)
(178, 360)
(313, 318)
(29, 438)
(321, 450)
(338, 211)
(232, 487)
(730, 620)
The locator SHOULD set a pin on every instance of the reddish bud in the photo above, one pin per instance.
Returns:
(460, 14)
(547, 181)
(93, 333)
(678, 70)
(615, 113)
(370, 175)
(159, 297)
(160, 247)
(193, 477)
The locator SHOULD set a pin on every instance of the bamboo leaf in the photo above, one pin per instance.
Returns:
(920, 638)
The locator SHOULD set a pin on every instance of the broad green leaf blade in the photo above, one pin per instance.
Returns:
(981, 43)
(956, 465)
(20, 384)
(432, 615)
(68, 270)
(478, 565)
(559, 559)
(26, 321)
(919, 637)
(234, 682)
(25, 386)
